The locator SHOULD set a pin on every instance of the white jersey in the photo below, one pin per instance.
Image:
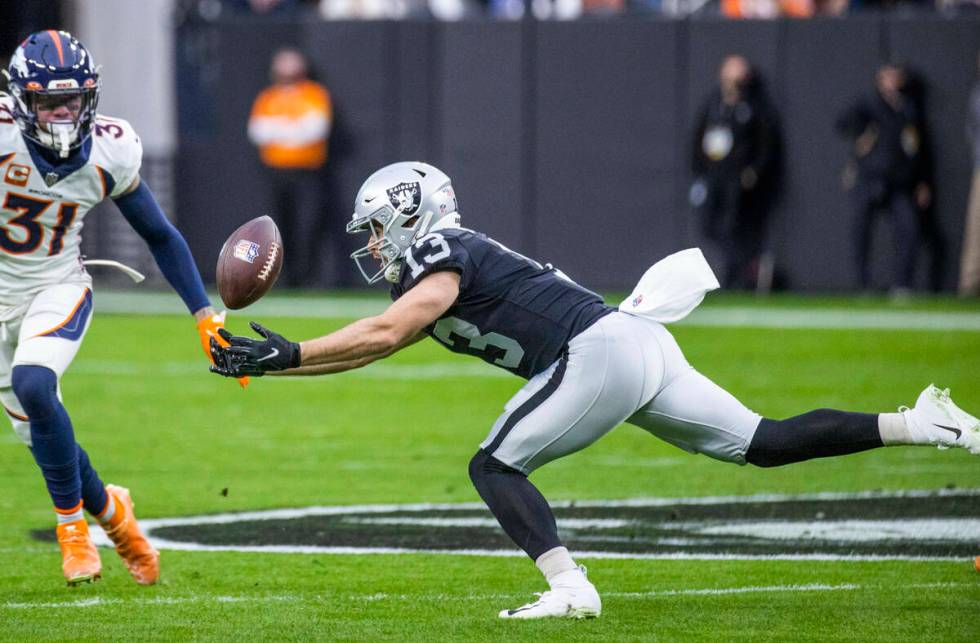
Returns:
(41, 224)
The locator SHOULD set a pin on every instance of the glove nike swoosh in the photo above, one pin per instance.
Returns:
(275, 351)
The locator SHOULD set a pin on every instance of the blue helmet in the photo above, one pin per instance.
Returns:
(48, 70)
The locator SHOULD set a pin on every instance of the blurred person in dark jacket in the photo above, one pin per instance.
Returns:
(890, 174)
(969, 285)
(736, 162)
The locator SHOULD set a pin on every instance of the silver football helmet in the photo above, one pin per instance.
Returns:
(398, 205)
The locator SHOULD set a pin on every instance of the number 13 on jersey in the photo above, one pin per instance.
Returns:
(440, 251)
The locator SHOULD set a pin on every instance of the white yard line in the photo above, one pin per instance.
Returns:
(161, 543)
(99, 601)
(762, 316)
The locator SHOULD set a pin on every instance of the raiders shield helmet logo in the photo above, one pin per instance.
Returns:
(405, 197)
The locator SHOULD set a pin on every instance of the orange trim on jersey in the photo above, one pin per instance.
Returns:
(68, 318)
(57, 44)
(68, 512)
(105, 184)
(4, 159)
(16, 416)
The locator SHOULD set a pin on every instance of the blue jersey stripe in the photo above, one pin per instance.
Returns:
(73, 327)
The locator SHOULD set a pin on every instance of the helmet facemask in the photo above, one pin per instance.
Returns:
(59, 134)
(392, 232)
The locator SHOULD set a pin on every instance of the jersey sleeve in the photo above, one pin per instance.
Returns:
(436, 252)
(122, 150)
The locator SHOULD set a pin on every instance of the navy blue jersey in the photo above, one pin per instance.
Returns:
(511, 311)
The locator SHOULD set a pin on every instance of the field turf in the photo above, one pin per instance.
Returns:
(187, 443)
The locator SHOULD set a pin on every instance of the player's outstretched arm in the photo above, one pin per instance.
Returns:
(340, 367)
(353, 346)
(141, 210)
(170, 251)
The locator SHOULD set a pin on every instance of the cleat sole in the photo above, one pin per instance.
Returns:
(80, 580)
(584, 613)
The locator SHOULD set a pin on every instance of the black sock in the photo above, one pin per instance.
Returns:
(516, 503)
(817, 434)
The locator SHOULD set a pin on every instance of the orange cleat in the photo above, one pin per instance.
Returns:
(139, 556)
(79, 557)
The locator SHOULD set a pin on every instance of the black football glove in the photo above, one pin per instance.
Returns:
(246, 356)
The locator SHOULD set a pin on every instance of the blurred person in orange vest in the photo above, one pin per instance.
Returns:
(290, 123)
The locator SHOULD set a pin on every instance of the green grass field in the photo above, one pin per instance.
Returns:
(187, 443)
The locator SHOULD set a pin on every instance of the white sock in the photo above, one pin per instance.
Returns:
(893, 430)
(559, 568)
(109, 511)
(569, 578)
(70, 516)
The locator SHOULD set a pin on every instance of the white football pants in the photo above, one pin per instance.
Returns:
(623, 368)
(46, 331)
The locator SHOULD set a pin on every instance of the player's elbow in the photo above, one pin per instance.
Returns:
(388, 342)
(387, 337)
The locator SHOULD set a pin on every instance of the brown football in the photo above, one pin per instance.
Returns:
(249, 262)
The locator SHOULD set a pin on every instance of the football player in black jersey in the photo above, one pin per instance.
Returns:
(589, 367)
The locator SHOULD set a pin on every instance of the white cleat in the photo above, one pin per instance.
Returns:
(935, 419)
(581, 601)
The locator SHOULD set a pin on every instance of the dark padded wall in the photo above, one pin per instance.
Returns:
(354, 61)
(567, 141)
(481, 98)
(827, 64)
(605, 174)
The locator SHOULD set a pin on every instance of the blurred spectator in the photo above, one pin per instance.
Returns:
(262, 7)
(970, 260)
(750, 8)
(365, 9)
(767, 8)
(903, 6)
(554, 9)
(290, 123)
(449, 10)
(736, 161)
(889, 173)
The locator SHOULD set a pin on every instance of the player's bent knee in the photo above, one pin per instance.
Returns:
(36, 388)
(18, 420)
(23, 431)
(484, 466)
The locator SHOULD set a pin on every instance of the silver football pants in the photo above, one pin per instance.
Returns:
(623, 368)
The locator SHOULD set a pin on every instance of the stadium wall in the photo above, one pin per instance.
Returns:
(568, 140)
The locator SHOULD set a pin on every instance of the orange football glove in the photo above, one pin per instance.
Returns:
(207, 328)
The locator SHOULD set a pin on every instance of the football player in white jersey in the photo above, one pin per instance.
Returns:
(589, 366)
(58, 159)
